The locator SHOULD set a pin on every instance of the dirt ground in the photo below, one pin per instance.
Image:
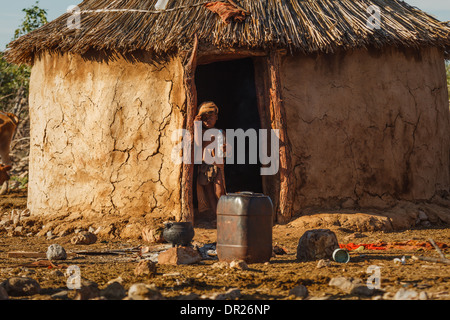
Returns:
(265, 281)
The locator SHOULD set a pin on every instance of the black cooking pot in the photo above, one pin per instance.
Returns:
(179, 233)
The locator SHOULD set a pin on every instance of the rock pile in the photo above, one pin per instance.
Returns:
(19, 223)
(84, 237)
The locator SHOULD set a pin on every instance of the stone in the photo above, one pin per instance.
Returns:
(343, 283)
(299, 291)
(142, 291)
(26, 272)
(84, 237)
(277, 250)
(323, 263)
(230, 294)
(317, 244)
(220, 265)
(351, 286)
(406, 294)
(3, 294)
(56, 252)
(362, 290)
(5, 222)
(388, 296)
(18, 231)
(325, 297)
(153, 234)
(89, 290)
(238, 264)
(179, 255)
(21, 286)
(422, 216)
(118, 280)
(61, 295)
(114, 291)
(423, 295)
(233, 293)
(399, 261)
(57, 273)
(145, 268)
(188, 296)
(50, 235)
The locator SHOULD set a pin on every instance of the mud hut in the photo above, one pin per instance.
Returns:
(362, 111)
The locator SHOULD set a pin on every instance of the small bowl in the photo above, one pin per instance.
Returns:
(341, 255)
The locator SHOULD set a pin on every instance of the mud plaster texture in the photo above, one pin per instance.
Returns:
(101, 138)
(369, 130)
(369, 135)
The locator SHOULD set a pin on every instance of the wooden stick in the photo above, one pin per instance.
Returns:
(44, 264)
(32, 254)
(437, 248)
(26, 254)
(278, 119)
(187, 178)
(238, 7)
(262, 99)
(430, 259)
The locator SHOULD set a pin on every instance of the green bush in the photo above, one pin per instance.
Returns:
(14, 79)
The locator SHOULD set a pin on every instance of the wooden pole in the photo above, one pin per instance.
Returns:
(187, 178)
(431, 259)
(271, 185)
(278, 121)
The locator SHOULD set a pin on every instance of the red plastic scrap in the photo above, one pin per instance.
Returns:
(405, 245)
(226, 11)
(369, 246)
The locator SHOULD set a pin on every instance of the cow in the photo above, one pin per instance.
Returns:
(8, 126)
(4, 175)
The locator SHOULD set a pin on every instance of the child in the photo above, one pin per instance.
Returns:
(211, 177)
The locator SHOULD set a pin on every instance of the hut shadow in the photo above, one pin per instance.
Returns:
(136, 56)
(369, 256)
(279, 261)
(204, 222)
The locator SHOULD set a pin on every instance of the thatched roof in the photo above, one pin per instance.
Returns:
(298, 25)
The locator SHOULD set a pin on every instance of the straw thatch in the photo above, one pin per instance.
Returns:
(298, 25)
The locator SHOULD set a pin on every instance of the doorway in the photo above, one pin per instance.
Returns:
(231, 85)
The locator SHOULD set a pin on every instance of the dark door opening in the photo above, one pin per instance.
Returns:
(231, 85)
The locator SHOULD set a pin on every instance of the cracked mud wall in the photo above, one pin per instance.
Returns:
(368, 129)
(101, 136)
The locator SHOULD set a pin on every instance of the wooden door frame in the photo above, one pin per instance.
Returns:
(272, 115)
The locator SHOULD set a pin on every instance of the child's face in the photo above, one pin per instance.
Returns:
(210, 119)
